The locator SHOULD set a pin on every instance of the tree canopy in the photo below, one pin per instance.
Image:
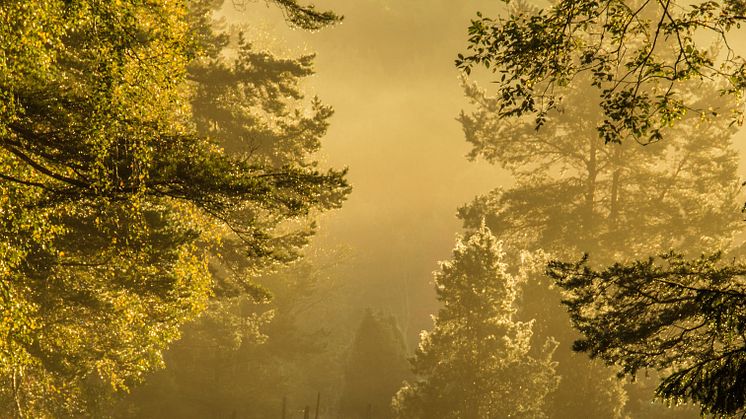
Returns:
(619, 202)
(683, 317)
(115, 201)
(638, 54)
(478, 361)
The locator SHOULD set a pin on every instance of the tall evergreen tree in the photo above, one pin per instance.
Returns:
(376, 366)
(478, 361)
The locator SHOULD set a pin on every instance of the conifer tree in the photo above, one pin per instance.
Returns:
(376, 367)
(478, 361)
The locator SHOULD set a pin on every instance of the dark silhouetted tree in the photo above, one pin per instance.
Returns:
(683, 317)
(376, 366)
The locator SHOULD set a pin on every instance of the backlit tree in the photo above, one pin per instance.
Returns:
(478, 361)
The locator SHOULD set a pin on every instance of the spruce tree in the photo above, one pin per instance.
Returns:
(478, 361)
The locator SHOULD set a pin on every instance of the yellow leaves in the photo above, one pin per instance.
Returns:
(115, 256)
(193, 276)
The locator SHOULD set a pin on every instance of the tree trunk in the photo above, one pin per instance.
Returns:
(17, 394)
(590, 196)
(615, 185)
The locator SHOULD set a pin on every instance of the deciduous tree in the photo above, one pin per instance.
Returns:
(112, 202)
(638, 56)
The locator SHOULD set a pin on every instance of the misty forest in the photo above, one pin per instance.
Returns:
(372, 209)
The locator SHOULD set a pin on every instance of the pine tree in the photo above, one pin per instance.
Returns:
(478, 361)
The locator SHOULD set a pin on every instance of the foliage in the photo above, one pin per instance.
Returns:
(575, 194)
(653, 77)
(113, 203)
(478, 361)
(376, 366)
(250, 102)
(248, 354)
(639, 55)
(684, 317)
(297, 15)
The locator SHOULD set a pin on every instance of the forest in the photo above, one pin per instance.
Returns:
(380, 209)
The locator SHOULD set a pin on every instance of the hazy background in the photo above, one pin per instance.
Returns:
(388, 72)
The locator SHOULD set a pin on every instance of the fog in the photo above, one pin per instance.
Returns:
(425, 282)
(388, 72)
